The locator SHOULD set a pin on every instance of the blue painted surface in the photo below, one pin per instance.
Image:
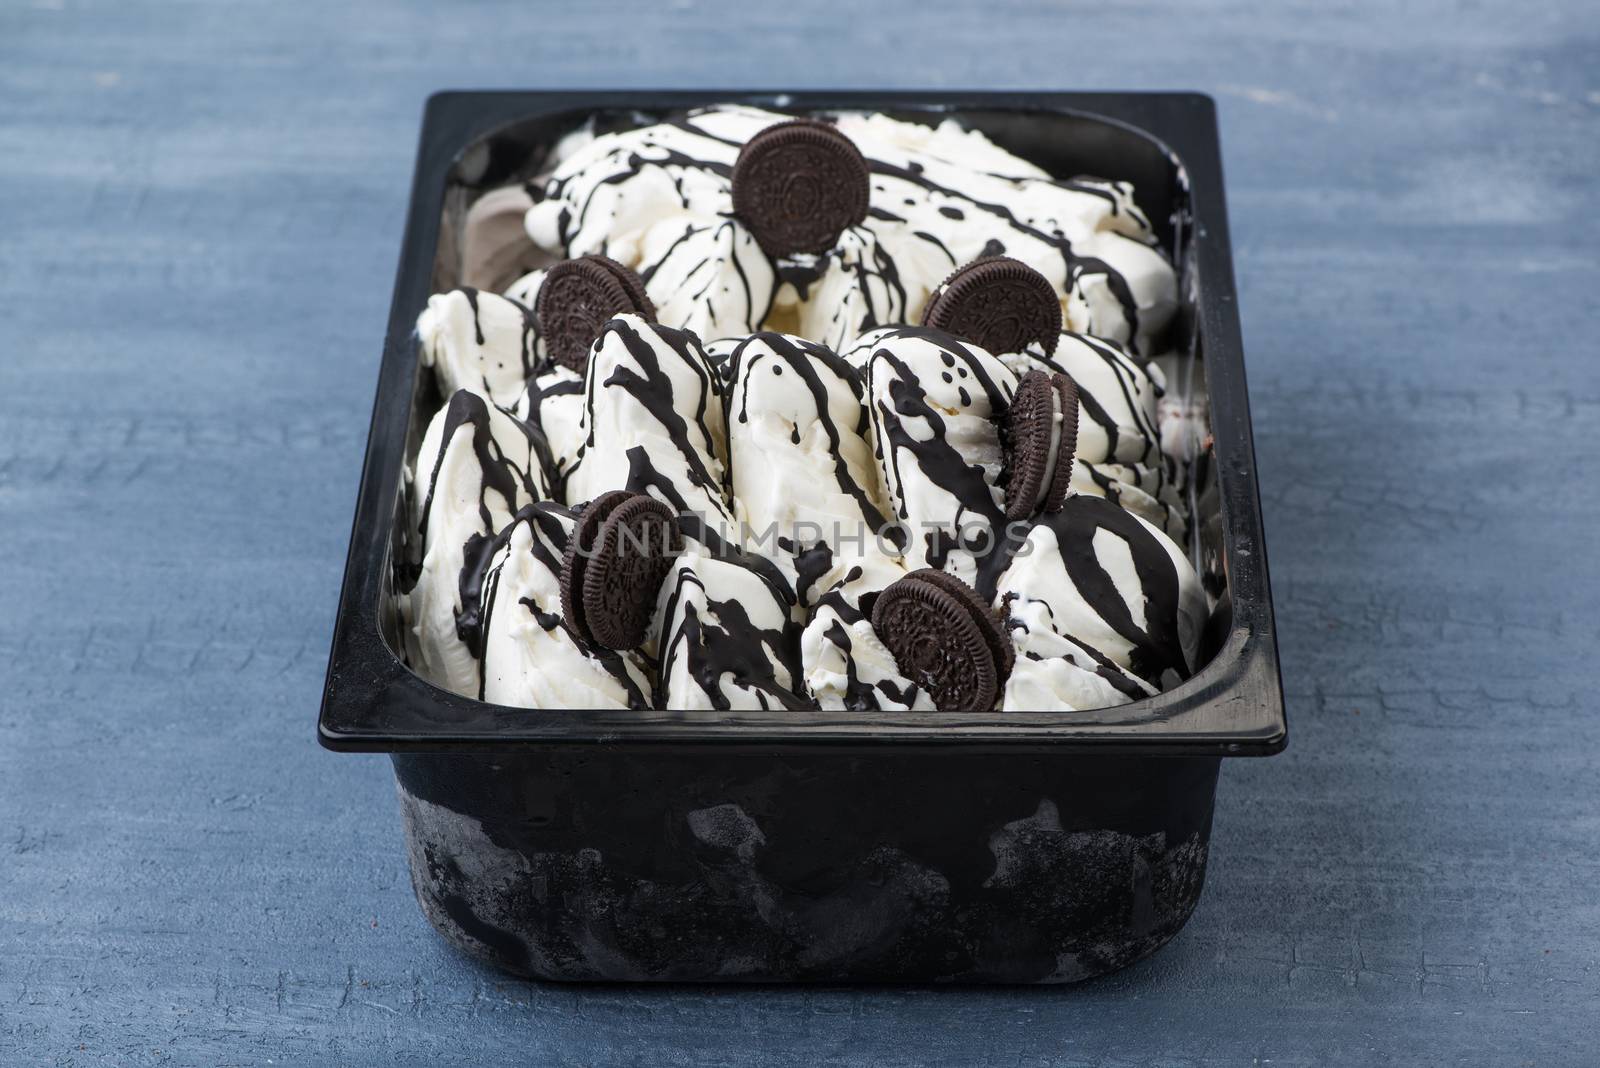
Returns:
(199, 216)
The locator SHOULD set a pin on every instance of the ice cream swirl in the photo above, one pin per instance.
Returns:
(659, 199)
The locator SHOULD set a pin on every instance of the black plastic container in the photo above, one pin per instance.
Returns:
(652, 845)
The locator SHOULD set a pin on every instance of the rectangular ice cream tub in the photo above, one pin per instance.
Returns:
(1050, 846)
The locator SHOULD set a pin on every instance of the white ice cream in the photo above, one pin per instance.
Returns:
(1052, 672)
(553, 402)
(846, 666)
(934, 403)
(659, 199)
(1117, 396)
(652, 422)
(475, 468)
(1106, 583)
(767, 444)
(479, 341)
(706, 276)
(531, 658)
(726, 637)
(525, 290)
(799, 445)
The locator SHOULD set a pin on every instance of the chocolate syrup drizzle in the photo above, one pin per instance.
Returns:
(1119, 364)
(528, 347)
(802, 271)
(731, 646)
(725, 644)
(551, 525)
(993, 542)
(541, 389)
(481, 564)
(809, 362)
(867, 260)
(1156, 647)
(938, 460)
(472, 298)
(651, 388)
(756, 307)
(500, 473)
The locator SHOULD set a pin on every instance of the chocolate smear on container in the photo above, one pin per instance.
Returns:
(576, 300)
(944, 639)
(999, 304)
(616, 560)
(798, 185)
(1040, 435)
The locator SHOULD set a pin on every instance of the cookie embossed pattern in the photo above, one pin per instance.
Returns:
(1007, 807)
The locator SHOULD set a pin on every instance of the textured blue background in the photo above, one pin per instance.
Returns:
(200, 206)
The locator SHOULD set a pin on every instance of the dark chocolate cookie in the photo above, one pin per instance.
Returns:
(579, 551)
(944, 639)
(578, 297)
(616, 559)
(1045, 405)
(999, 304)
(798, 185)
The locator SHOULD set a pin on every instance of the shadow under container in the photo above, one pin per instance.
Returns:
(837, 847)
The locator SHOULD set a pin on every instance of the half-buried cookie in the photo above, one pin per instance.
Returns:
(576, 300)
(798, 185)
(1040, 435)
(616, 559)
(999, 304)
(944, 639)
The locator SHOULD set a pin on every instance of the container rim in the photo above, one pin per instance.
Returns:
(373, 702)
